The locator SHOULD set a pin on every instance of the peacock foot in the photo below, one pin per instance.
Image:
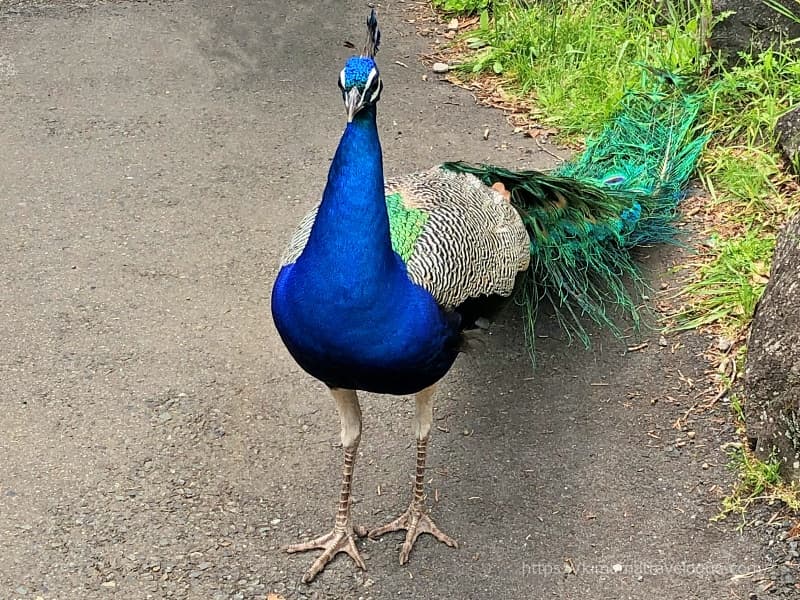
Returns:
(414, 521)
(331, 544)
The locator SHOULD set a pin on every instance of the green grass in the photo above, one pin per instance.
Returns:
(757, 480)
(751, 193)
(577, 58)
(461, 6)
(745, 176)
(746, 100)
(726, 289)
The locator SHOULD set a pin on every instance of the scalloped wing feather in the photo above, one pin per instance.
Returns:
(473, 243)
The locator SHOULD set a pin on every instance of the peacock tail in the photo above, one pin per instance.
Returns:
(584, 217)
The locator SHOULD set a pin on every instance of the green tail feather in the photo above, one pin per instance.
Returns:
(584, 217)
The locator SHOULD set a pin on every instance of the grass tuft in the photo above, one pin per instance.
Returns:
(727, 288)
(464, 7)
(757, 480)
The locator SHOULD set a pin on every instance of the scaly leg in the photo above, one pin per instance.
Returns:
(342, 538)
(415, 520)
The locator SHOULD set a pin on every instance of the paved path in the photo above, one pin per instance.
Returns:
(156, 439)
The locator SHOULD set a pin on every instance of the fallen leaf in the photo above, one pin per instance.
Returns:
(794, 532)
(641, 346)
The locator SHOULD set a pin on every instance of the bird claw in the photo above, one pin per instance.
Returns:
(331, 544)
(414, 521)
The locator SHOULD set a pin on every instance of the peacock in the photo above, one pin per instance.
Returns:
(384, 279)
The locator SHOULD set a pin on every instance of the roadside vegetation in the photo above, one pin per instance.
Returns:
(563, 65)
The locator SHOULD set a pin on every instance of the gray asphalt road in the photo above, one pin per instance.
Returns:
(156, 439)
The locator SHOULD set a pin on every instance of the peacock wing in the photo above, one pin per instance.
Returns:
(459, 238)
(299, 238)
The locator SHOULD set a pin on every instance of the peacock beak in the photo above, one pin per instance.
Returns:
(353, 102)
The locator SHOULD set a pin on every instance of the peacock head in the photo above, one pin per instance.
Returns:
(359, 81)
(361, 85)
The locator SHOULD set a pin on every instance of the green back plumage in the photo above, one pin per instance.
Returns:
(584, 217)
(405, 225)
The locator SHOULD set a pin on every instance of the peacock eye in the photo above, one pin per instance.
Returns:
(377, 93)
(373, 89)
(373, 86)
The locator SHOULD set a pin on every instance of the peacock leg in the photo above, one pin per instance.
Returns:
(415, 520)
(342, 537)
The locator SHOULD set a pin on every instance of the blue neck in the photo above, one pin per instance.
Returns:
(351, 231)
(346, 308)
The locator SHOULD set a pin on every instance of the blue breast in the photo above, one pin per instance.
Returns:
(391, 340)
(346, 309)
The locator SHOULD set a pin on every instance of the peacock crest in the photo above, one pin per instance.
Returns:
(357, 73)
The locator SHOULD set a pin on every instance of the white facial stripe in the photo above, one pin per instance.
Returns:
(376, 93)
(373, 83)
(341, 78)
(372, 75)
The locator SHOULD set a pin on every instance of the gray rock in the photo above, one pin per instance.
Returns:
(788, 131)
(753, 26)
(771, 385)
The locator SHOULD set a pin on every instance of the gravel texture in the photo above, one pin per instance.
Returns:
(157, 441)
